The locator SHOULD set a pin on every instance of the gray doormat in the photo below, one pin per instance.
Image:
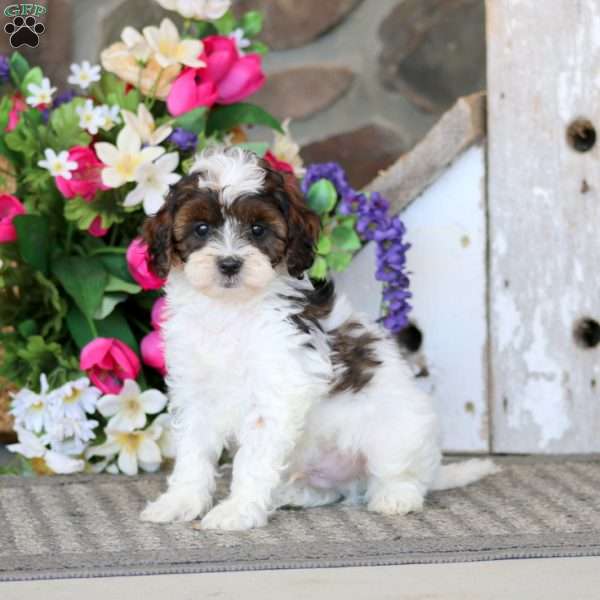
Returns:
(83, 526)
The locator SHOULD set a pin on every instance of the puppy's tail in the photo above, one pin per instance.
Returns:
(463, 473)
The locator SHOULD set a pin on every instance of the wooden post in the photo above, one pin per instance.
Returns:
(544, 222)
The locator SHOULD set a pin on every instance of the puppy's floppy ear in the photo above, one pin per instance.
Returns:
(303, 228)
(158, 234)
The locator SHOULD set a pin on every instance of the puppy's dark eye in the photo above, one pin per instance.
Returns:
(258, 230)
(201, 230)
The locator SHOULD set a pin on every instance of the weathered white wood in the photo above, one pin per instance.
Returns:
(446, 227)
(544, 209)
(447, 230)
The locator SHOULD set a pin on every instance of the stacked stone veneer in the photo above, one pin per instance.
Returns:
(362, 80)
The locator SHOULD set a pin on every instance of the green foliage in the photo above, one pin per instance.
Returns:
(65, 131)
(319, 268)
(322, 196)
(84, 279)
(82, 213)
(252, 23)
(33, 239)
(28, 135)
(111, 90)
(224, 118)
(226, 24)
(35, 76)
(194, 120)
(258, 47)
(19, 67)
(259, 148)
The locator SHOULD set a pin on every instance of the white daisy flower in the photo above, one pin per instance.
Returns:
(108, 116)
(143, 124)
(135, 450)
(84, 74)
(123, 159)
(153, 181)
(166, 439)
(237, 35)
(90, 118)
(31, 410)
(31, 446)
(69, 435)
(75, 398)
(169, 49)
(58, 164)
(200, 10)
(40, 94)
(128, 409)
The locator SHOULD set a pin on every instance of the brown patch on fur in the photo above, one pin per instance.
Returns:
(316, 304)
(355, 354)
(303, 224)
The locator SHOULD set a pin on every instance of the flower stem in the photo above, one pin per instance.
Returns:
(107, 250)
(69, 238)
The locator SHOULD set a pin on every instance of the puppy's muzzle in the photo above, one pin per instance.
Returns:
(230, 265)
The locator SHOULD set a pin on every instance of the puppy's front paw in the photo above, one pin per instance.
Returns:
(176, 506)
(234, 515)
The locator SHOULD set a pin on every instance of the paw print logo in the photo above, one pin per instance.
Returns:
(24, 32)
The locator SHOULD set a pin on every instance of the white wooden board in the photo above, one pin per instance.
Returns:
(446, 227)
(544, 207)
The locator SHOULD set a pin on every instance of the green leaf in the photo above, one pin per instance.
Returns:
(224, 118)
(27, 328)
(252, 23)
(25, 138)
(109, 302)
(318, 269)
(118, 285)
(34, 75)
(345, 238)
(33, 240)
(324, 244)
(226, 24)
(111, 90)
(116, 265)
(322, 196)
(82, 213)
(194, 120)
(258, 47)
(84, 279)
(65, 131)
(19, 67)
(54, 303)
(259, 148)
(339, 261)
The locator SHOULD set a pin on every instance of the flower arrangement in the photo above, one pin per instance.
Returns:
(80, 308)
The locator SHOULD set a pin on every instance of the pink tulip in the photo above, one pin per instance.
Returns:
(108, 363)
(228, 77)
(157, 316)
(86, 180)
(14, 116)
(153, 351)
(278, 165)
(10, 207)
(138, 261)
(96, 228)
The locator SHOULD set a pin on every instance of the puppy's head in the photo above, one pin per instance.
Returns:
(232, 225)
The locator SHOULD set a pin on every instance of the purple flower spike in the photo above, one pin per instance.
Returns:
(4, 69)
(373, 223)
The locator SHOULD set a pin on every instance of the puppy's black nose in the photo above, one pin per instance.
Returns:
(230, 265)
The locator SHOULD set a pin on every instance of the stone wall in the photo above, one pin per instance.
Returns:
(363, 80)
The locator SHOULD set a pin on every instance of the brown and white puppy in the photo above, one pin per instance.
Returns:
(318, 401)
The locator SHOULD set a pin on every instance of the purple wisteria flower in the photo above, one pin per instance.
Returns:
(63, 98)
(185, 140)
(373, 223)
(4, 69)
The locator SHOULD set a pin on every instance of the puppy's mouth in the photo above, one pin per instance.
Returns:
(230, 281)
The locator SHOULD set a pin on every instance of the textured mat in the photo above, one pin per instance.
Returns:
(82, 526)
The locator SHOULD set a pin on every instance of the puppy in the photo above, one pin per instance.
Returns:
(317, 400)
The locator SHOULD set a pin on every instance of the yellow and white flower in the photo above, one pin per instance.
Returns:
(90, 118)
(108, 116)
(153, 181)
(169, 49)
(135, 450)
(75, 398)
(143, 124)
(31, 446)
(40, 94)
(123, 159)
(127, 410)
(84, 74)
(136, 44)
(58, 164)
(285, 148)
(202, 10)
(31, 410)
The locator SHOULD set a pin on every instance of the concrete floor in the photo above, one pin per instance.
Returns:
(545, 579)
